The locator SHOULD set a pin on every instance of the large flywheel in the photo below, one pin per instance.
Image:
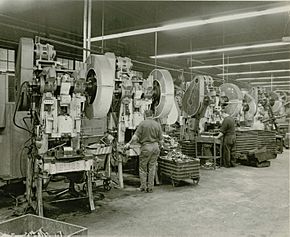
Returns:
(194, 96)
(163, 95)
(100, 85)
(234, 98)
(251, 103)
(276, 103)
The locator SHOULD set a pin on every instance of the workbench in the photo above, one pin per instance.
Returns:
(215, 147)
(40, 170)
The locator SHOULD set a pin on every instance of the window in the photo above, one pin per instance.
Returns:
(77, 64)
(66, 63)
(11, 88)
(7, 60)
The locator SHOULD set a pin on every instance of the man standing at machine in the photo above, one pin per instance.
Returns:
(149, 135)
(228, 132)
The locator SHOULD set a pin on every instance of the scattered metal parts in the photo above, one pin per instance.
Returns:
(41, 233)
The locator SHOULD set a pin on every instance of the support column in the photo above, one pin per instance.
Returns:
(156, 48)
(89, 27)
(90, 190)
(85, 25)
(39, 195)
(120, 170)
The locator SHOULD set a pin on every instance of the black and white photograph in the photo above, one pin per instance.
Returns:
(144, 118)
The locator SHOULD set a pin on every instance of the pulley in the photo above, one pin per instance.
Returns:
(234, 96)
(173, 114)
(100, 84)
(195, 96)
(276, 103)
(251, 103)
(163, 92)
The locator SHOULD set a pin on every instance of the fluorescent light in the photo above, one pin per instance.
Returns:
(268, 83)
(183, 25)
(125, 34)
(276, 85)
(253, 72)
(241, 64)
(261, 78)
(208, 51)
(284, 90)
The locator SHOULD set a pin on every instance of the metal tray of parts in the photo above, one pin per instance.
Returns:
(178, 170)
(28, 223)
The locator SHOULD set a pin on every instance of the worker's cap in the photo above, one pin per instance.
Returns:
(148, 113)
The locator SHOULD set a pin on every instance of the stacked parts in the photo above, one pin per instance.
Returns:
(267, 139)
(188, 148)
(246, 141)
(250, 140)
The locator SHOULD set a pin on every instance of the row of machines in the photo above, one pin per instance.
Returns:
(44, 126)
(254, 110)
(201, 104)
(44, 130)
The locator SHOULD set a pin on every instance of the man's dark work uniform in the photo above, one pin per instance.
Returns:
(229, 140)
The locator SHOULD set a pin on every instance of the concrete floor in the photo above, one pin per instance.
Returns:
(240, 201)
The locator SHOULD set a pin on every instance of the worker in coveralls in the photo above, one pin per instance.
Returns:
(227, 131)
(149, 135)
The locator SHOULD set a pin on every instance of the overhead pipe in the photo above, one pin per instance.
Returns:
(65, 44)
(29, 23)
(34, 32)
(249, 55)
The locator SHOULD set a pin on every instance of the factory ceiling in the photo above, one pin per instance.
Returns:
(62, 20)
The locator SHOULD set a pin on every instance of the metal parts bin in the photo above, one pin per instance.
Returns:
(27, 223)
(179, 169)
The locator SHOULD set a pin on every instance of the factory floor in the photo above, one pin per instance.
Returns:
(241, 201)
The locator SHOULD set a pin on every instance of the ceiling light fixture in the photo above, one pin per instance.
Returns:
(241, 64)
(261, 78)
(182, 25)
(253, 72)
(227, 49)
(268, 83)
(287, 85)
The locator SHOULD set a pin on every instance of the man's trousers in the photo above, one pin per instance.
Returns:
(147, 164)
(228, 150)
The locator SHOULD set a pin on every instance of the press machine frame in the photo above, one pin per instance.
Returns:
(55, 99)
(133, 95)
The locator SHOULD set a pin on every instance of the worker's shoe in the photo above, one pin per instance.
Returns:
(149, 190)
(141, 189)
